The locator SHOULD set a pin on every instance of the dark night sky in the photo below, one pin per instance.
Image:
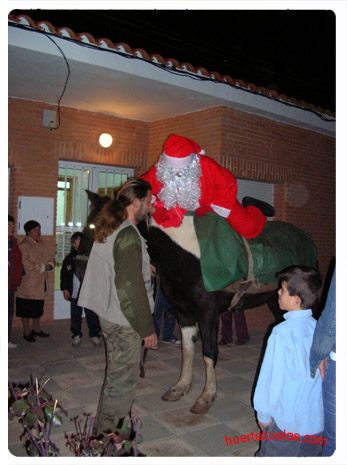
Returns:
(290, 51)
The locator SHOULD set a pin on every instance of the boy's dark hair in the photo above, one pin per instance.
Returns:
(75, 236)
(10, 219)
(303, 281)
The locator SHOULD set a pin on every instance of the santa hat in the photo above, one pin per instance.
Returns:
(179, 151)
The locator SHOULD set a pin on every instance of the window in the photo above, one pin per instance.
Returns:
(260, 190)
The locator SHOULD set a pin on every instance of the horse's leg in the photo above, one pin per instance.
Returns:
(183, 384)
(209, 336)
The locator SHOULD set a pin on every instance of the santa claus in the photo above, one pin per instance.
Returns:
(185, 179)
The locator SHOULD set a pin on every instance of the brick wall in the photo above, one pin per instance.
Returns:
(34, 152)
(204, 126)
(300, 163)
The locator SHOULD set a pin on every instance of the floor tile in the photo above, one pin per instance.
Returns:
(173, 447)
(211, 440)
(182, 419)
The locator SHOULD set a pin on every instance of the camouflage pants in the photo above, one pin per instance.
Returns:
(123, 350)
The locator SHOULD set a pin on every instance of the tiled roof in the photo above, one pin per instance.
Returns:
(170, 63)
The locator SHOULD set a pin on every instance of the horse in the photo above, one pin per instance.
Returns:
(174, 254)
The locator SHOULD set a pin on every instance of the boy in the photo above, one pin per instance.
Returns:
(287, 400)
(70, 285)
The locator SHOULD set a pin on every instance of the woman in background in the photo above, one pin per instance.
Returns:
(37, 261)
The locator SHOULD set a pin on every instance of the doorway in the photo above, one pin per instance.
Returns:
(72, 210)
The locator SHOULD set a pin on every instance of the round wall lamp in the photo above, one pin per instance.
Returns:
(105, 140)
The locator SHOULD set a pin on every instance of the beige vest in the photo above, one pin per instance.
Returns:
(98, 291)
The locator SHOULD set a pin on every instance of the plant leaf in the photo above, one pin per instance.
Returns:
(19, 407)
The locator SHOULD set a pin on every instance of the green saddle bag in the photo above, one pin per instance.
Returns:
(224, 258)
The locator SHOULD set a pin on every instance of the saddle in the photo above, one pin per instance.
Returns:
(250, 285)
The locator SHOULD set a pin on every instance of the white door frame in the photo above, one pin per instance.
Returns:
(61, 306)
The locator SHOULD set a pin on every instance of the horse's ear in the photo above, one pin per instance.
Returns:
(93, 197)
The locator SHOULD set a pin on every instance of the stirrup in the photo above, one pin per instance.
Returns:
(264, 207)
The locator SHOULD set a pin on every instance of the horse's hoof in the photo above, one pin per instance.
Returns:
(202, 406)
(174, 394)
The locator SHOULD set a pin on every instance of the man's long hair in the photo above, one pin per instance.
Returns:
(133, 188)
(110, 217)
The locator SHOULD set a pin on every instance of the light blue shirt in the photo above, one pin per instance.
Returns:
(285, 390)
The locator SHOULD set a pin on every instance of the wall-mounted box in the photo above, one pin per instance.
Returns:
(40, 209)
(49, 119)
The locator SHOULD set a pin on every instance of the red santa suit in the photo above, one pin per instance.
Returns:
(217, 189)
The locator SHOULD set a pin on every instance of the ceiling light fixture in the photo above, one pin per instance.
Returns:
(105, 140)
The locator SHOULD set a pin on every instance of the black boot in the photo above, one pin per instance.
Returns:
(264, 207)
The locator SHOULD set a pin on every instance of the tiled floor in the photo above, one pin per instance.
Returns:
(169, 429)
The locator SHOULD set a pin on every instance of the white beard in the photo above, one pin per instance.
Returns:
(181, 186)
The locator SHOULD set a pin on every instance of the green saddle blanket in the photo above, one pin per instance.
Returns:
(224, 257)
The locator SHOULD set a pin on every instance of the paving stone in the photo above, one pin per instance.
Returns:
(230, 410)
(152, 403)
(153, 429)
(169, 448)
(211, 440)
(182, 419)
(238, 366)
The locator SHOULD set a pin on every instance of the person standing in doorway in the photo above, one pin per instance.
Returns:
(70, 285)
(117, 286)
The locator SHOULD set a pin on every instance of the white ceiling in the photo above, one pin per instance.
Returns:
(101, 81)
(41, 75)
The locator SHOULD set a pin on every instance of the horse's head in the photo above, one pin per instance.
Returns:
(96, 203)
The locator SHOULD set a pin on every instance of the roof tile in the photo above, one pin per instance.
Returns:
(141, 52)
(86, 37)
(67, 32)
(105, 43)
(46, 26)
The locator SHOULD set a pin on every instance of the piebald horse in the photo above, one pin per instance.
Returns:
(175, 254)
